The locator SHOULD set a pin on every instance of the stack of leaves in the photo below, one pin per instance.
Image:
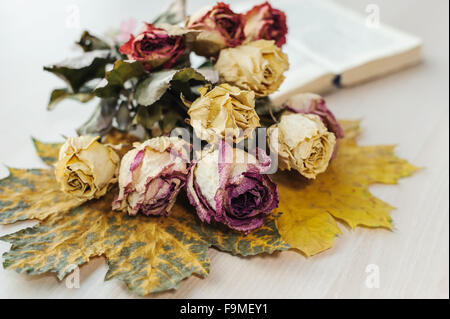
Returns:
(152, 254)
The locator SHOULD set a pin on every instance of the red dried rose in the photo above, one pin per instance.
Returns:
(265, 22)
(220, 28)
(155, 47)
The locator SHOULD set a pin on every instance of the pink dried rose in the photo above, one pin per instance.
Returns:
(220, 28)
(265, 22)
(229, 186)
(151, 176)
(155, 48)
(309, 103)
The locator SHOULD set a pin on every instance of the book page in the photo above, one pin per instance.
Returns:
(334, 38)
(304, 67)
(302, 70)
(339, 38)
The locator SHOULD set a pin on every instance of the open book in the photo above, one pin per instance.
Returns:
(330, 46)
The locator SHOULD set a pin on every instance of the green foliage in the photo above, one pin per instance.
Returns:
(89, 42)
(84, 95)
(76, 72)
(115, 79)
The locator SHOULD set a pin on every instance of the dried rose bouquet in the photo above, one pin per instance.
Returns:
(148, 87)
(185, 150)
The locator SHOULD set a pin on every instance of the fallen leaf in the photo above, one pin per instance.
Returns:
(32, 194)
(48, 152)
(310, 208)
(148, 254)
(265, 239)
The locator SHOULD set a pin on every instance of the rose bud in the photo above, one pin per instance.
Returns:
(303, 143)
(151, 176)
(256, 66)
(309, 103)
(155, 48)
(229, 186)
(223, 111)
(265, 22)
(220, 28)
(86, 168)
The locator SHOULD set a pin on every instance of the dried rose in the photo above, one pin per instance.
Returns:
(265, 22)
(229, 186)
(303, 143)
(309, 103)
(155, 48)
(223, 111)
(151, 176)
(256, 66)
(86, 168)
(220, 28)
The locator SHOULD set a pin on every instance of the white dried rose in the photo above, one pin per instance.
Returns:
(151, 176)
(256, 66)
(303, 143)
(86, 168)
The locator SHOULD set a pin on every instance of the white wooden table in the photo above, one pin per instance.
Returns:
(410, 109)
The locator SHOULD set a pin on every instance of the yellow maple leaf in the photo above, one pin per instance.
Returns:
(309, 208)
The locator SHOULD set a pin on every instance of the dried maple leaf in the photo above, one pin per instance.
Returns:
(149, 254)
(32, 194)
(309, 208)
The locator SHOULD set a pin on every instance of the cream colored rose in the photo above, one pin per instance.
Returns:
(224, 111)
(256, 66)
(86, 168)
(151, 176)
(303, 143)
